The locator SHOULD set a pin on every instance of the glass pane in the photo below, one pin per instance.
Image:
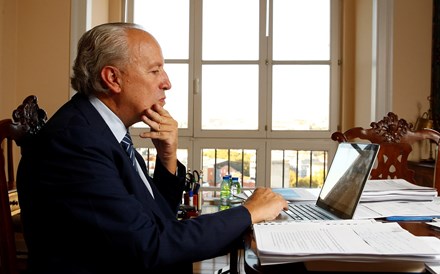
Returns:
(177, 96)
(301, 29)
(301, 97)
(298, 168)
(303, 168)
(230, 29)
(168, 22)
(319, 168)
(231, 104)
(239, 163)
(277, 169)
(149, 155)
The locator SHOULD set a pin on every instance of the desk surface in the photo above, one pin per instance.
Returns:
(251, 264)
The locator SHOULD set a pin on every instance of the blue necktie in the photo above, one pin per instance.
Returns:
(127, 144)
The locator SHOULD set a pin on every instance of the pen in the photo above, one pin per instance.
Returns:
(411, 218)
(196, 189)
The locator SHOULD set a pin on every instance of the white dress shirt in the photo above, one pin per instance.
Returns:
(117, 127)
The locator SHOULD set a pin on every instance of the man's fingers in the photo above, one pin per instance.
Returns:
(153, 135)
(159, 121)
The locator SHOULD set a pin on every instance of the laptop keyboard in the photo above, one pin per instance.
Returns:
(306, 212)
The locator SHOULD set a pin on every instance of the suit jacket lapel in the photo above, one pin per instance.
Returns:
(95, 119)
(159, 200)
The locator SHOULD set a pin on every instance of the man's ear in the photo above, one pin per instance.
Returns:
(111, 77)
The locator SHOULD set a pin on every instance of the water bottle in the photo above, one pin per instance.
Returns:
(235, 186)
(225, 193)
(235, 190)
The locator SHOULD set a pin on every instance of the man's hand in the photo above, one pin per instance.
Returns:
(265, 205)
(164, 134)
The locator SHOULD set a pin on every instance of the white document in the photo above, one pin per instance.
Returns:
(386, 209)
(396, 190)
(433, 267)
(364, 212)
(435, 225)
(339, 240)
(394, 186)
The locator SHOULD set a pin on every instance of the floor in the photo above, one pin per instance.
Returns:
(214, 265)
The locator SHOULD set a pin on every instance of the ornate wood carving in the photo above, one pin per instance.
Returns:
(29, 115)
(391, 128)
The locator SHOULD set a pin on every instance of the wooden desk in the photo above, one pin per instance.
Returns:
(251, 264)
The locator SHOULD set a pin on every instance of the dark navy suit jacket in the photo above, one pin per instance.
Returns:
(86, 210)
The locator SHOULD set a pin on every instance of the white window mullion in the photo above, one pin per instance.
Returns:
(241, 78)
(196, 76)
(197, 65)
(335, 69)
(265, 99)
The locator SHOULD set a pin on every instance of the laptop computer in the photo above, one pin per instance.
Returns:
(342, 188)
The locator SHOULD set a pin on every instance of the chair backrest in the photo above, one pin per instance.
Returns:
(26, 120)
(396, 138)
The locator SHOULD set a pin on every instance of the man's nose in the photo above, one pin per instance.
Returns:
(166, 84)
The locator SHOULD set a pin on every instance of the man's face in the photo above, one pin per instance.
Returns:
(144, 78)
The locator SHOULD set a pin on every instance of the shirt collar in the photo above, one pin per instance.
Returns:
(111, 119)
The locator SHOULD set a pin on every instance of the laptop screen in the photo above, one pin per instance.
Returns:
(346, 178)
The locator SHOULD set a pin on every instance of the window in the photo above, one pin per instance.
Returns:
(254, 85)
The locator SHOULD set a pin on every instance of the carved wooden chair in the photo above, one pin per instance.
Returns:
(396, 138)
(26, 120)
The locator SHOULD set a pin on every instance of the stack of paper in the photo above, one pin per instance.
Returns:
(424, 210)
(355, 241)
(396, 190)
(374, 191)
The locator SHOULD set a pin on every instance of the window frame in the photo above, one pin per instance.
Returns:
(263, 139)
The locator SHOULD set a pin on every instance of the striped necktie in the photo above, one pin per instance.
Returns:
(127, 144)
